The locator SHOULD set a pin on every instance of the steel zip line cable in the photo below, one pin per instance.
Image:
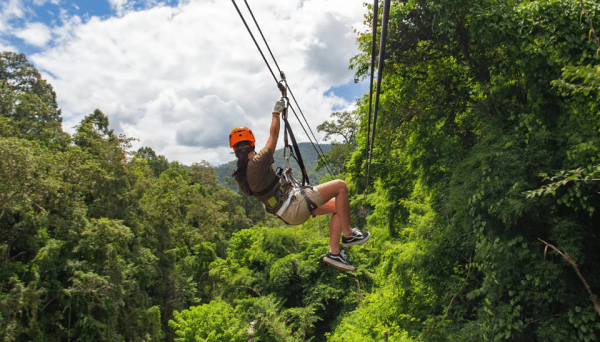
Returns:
(301, 125)
(275, 78)
(326, 161)
(255, 42)
(384, 26)
(261, 34)
(373, 48)
(322, 155)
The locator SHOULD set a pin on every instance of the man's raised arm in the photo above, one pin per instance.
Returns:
(275, 125)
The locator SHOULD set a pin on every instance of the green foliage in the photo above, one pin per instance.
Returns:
(95, 246)
(468, 120)
(29, 101)
(278, 279)
(18, 75)
(590, 79)
(336, 158)
(346, 125)
(577, 193)
(215, 321)
(157, 164)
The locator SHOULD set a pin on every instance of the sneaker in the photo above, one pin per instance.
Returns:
(357, 238)
(339, 261)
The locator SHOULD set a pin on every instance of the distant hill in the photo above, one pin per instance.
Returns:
(309, 156)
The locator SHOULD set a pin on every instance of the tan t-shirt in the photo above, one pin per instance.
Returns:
(261, 174)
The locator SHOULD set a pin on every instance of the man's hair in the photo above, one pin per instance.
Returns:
(239, 174)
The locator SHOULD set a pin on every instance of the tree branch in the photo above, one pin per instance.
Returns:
(359, 293)
(248, 287)
(568, 258)
(461, 288)
(7, 260)
(42, 209)
(590, 23)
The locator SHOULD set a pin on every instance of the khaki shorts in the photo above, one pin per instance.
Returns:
(297, 212)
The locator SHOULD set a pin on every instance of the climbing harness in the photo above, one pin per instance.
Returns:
(285, 174)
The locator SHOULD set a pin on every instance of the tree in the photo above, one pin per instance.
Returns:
(29, 101)
(158, 164)
(345, 126)
(336, 158)
(22, 77)
(204, 173)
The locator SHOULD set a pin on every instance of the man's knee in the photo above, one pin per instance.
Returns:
(341, 186)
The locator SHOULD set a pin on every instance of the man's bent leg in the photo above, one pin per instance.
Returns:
(337, 190)
(335, 228)
(335, 233)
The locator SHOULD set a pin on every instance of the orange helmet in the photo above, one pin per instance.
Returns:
(241, 133)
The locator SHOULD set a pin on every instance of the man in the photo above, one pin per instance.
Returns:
(256, 177)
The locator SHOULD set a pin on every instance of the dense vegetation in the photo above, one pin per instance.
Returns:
(98, 244)
(469, 120)
(487, 140)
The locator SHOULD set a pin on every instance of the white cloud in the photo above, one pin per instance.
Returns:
(42, 2)
(12, 9)
(7, 47)
(121, 6)
(36, 34)
(179, 78)
(9, 10)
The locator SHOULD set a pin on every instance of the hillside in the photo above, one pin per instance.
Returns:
(308, 155)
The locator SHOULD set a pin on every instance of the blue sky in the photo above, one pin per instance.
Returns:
(350, 91)
(178, 75)
(52, 12)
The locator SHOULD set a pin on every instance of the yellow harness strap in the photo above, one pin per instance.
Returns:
(273, 201)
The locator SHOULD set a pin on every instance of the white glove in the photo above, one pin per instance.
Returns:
(279, 106)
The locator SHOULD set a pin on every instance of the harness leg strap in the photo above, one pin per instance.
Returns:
(309, 203)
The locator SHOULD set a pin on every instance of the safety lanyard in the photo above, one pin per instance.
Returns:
(282, 85)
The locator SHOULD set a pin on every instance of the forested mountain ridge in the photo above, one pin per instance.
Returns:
(487, 141)
(309, 156)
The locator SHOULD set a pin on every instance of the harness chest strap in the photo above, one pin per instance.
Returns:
(272, 200)
(267, 189)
